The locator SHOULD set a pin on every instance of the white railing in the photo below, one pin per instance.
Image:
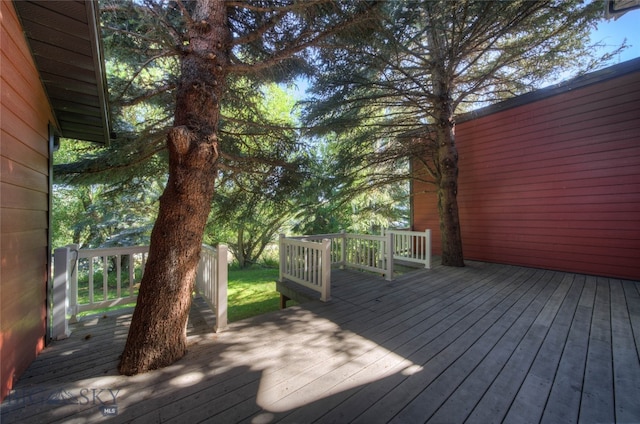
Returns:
(125, 266)
(307, 263)
(369, 253)
(304, 260)
(337, 240)
(360, 251)
(111, 276)
(211, 281)
(411, 246)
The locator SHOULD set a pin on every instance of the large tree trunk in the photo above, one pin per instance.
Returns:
(447, 191)
(442, 76)
(157, 336)
(447, 171)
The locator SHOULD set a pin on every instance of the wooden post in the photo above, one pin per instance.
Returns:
(73, 284)
(282, 253)
(132, 273)
(343, 249)
(105, 278)
(283, 301)
(60, 326)
(389, 243)
(427, 262)
(325, 294)
(221, 281)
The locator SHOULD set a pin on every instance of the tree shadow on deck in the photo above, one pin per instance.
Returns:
(223, 375)
(446, 344)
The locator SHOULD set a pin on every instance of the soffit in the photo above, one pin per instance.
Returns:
(64, 37)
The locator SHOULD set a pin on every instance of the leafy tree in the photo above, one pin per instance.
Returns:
(402, 84)
(341, 195)
(250, 208)
(101, 214)
(190, 62)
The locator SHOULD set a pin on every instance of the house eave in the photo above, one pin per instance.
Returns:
(65, 41)
(595, 77)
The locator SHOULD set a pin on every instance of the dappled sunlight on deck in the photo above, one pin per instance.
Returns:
(344, 353)
(482, 343)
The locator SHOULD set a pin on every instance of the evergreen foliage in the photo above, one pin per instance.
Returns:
(265, 174)
(392, 94)
(369, 117)
(378, 91)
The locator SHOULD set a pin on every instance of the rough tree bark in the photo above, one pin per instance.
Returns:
(447, 154)
(157, 336)
(447, 191)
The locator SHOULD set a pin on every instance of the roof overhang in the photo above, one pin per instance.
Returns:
(616, 8)
(615, 71)
(65, 41)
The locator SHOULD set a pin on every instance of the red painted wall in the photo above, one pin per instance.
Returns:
(24, 184)
(553, 183)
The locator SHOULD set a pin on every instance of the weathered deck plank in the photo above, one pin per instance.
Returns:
(419, 327)
(529, 403)
(563, 405)
(459, 405)
(597, 403)
(446, 369)
(626, 368)
(484, 343)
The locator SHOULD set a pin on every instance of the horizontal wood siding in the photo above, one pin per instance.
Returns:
(424, 213)
(24, 175)
(554, 183)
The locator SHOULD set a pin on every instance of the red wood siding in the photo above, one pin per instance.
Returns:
(553, 184)
(24, 168)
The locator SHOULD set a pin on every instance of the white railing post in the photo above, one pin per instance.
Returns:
(427, 236)
(73, 284)
(389, 256)
(343, 249)
(60, 326)
(325, 294)
(283, 256)
(307, 262)
(221, 281)
(385, 234)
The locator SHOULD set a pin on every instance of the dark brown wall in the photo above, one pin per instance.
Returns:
(554, 183)
(24, 190)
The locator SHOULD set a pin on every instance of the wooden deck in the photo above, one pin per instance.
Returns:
(480, 344)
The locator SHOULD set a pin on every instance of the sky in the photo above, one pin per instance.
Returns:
(613, 32)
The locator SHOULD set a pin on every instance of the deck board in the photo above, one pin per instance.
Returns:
(484, 343)
(626, 371)
(563, 405)
(597, 403)
(529, 403)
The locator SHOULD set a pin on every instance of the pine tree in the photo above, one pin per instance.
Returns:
(191, 56)
(401, 85)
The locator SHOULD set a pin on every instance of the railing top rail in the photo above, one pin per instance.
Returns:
(365, 237)
(87, 253)
(208, 247)
(302, 242)
(407, 232)
(316, 236)
(122, 250)
(338, 235)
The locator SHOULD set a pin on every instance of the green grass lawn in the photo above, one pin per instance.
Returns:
(252, 292)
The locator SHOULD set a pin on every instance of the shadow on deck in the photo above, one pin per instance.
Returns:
(484, 343)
